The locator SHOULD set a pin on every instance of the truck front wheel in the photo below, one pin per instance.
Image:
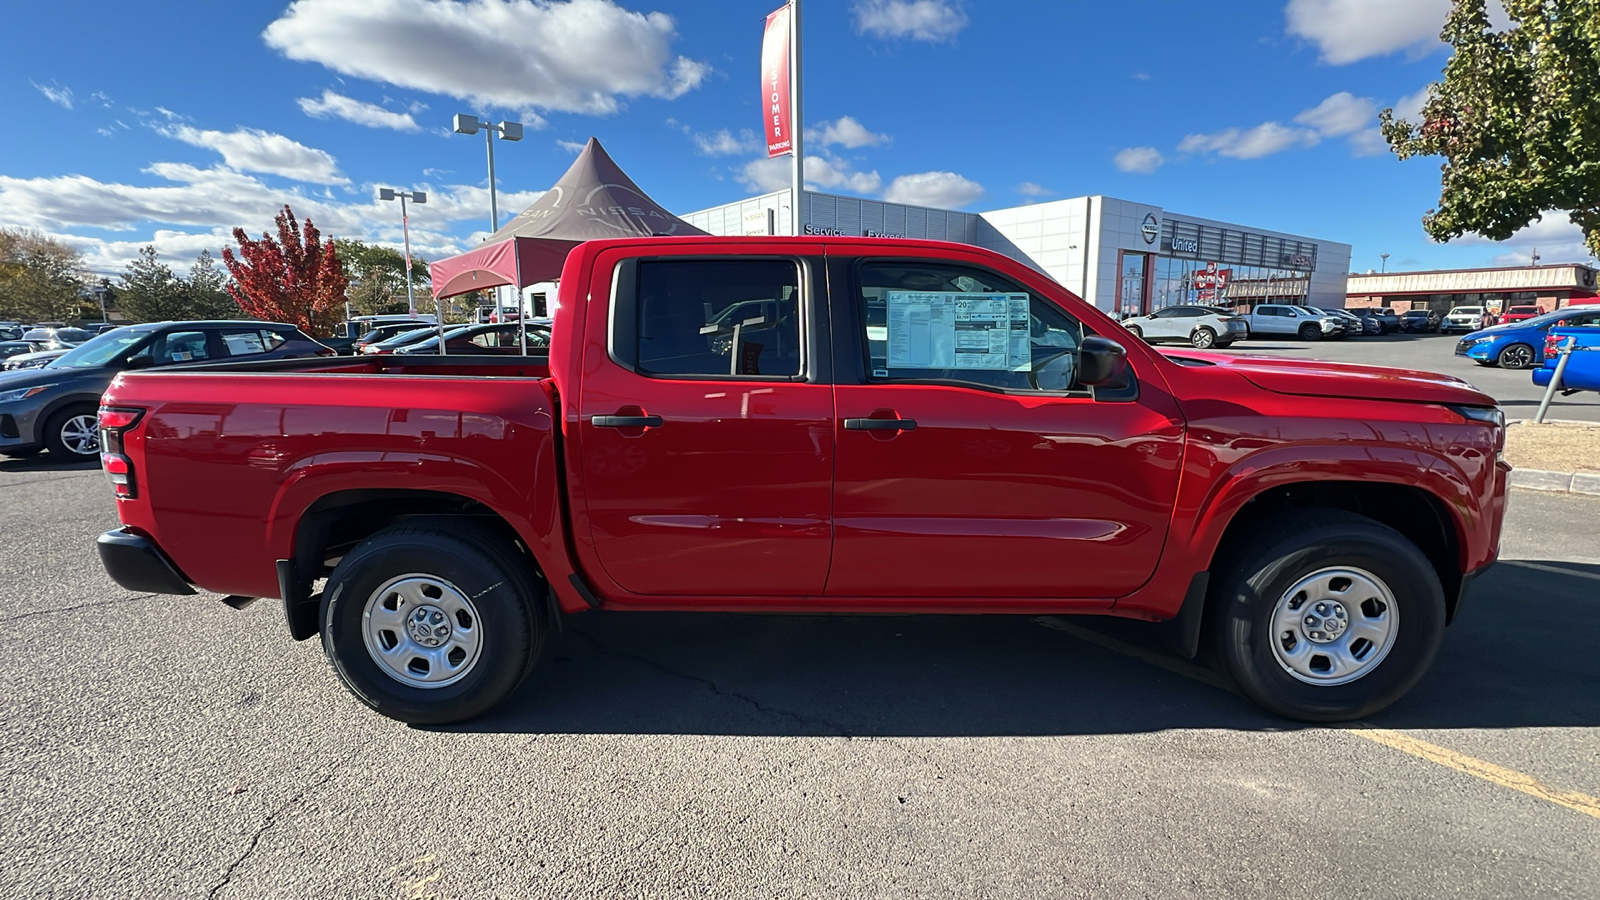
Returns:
(1324, 616)
(429, 628)
(1310, 332)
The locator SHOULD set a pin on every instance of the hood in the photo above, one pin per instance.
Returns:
(1318, 378)
(26, 378)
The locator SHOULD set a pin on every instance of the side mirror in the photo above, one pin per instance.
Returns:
(142, 361)
(1100, 360)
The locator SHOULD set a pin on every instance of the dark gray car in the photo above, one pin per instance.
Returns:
(55, 407)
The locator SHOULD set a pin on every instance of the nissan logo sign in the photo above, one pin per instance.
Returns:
(1151, 229)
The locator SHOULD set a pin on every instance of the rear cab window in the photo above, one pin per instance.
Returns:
(698, 317)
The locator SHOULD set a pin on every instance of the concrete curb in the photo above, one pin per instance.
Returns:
(1561, 482)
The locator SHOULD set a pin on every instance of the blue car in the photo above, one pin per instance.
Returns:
(1520, 345)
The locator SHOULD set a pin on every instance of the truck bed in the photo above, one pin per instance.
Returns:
(229, 457)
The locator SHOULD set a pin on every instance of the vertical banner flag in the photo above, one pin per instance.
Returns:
(775, 83)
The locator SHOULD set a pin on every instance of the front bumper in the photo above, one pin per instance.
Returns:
(1475, 350)
(136, 563)
(19, 424)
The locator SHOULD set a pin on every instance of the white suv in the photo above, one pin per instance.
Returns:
(1204, 327)
(1463, 318)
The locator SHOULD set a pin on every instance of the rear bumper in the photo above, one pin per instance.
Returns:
(137, 564)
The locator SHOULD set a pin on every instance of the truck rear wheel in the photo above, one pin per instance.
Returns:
(431, 626)
(1325, 616)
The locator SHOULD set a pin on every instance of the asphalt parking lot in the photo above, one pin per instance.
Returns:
(1514, 388)
(173, 747)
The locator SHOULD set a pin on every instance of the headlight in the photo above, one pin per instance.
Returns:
(23, 393)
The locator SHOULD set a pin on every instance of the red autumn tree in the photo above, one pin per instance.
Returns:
(293, 278)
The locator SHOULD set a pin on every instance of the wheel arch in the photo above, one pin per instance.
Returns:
(338, 521)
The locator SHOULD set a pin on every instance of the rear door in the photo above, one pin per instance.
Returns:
(705, 429)
(971, 464)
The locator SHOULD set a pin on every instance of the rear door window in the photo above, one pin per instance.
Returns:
(181, 346)
(242, 342)
(735, 318)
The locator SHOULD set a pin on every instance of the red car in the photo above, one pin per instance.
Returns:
(815, 425)
(1519, 314)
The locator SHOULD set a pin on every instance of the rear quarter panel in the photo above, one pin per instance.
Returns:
(227, 463)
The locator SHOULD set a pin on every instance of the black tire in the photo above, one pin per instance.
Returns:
(23, 454)
(1516, 356)
(64, 433)
(1310, 332)
(1203, 338)
(1274, 557)
(504, 609)
(1135, 330)
(1219, 345)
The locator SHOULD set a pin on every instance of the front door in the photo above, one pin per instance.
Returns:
(970, 461)
(705, 439)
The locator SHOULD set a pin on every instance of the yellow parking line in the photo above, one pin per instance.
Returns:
(1460, 762)
(1478, 768)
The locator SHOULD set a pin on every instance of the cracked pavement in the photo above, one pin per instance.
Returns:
(173, 747)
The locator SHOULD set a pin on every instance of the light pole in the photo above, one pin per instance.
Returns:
(1384, 266)
(419, 198)
(509, 131)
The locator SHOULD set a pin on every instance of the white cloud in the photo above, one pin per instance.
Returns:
(1349, 30)
(921, 20)
(352, 110)
(1341, 114)
(1251, 143)
(725, 143)
(55, 93)
(1368, 142)
(253, 150)
(844, 132)
(208, 203)
(101, 98)
(569, 146)
(1142, 160)
(1554, 236)
(945, 190)
(1410, 107)
(822, 172)
(576, 56)
(1029, 189)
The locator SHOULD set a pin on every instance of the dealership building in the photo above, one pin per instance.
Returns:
(1118, 255)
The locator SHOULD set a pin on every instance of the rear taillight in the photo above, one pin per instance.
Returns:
(1551, 342)
(114, 422)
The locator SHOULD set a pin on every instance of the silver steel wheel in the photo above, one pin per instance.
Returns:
(1334, 626)
(422, 631)
(81, 434)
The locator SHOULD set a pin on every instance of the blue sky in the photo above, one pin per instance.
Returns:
(171, 122)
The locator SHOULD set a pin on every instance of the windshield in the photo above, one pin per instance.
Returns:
(99, 351)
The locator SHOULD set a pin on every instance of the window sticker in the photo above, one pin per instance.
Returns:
(955, 330)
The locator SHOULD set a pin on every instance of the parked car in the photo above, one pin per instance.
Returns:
(1520, 345)
(33, 360)
(1388, 321)
(384, 332)
(102, 329)
(68, 337)
(1353, 324)
(406, 339)
(1203, 327)
(504, 338)
(9, 349)
(1519, 314)
(1421, 321)
(1462, 318)
(1280, 319)
(53, 407)
(11, 331)
(435, 518)
(1583, 369)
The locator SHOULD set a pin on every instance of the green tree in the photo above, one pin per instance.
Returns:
(41, 278)
(1515, 118)
(208, 290)
(378, 278)
(151, 292)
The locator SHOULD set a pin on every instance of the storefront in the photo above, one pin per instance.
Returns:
(1547, 287)
(1119, 255)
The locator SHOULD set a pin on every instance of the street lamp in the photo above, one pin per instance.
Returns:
(419, 198)
(509, 131)
(1385, 263)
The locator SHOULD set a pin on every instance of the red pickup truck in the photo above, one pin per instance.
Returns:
(815, 425)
